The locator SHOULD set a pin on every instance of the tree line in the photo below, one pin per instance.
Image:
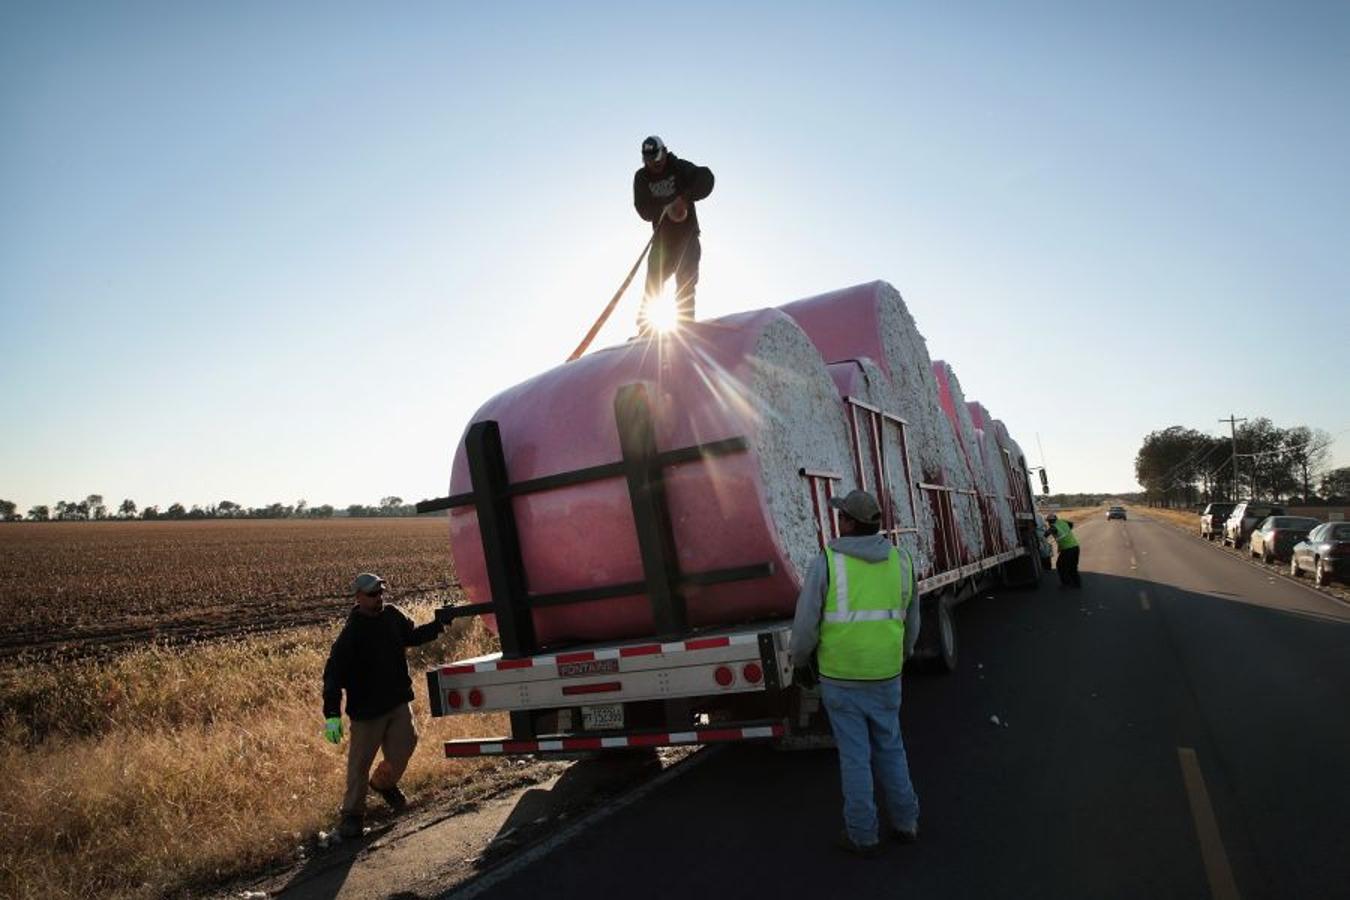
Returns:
(1180, 465)
(93, 508)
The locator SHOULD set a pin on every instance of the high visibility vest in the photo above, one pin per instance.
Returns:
(862, 631)
(1064, 535)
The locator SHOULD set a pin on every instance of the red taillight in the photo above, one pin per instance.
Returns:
(753, 673)
(475, 698)
(724, 675)
(454, 698)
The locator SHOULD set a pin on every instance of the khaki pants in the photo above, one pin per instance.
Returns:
(393, 732)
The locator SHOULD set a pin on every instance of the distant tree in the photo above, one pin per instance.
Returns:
(150, 512)
(324, 511)
(1308, 451)
(95, 506)
(175, 511)
(9, 511)
(1170, 462)
(356, 510)
(196, 512)
(39, 513)
(1336, 484)
(128, 509)
(301, 507)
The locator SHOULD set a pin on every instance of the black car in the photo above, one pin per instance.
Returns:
(1325, 553)
(1115, 512)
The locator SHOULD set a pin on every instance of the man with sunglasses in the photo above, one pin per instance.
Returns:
(369, 662)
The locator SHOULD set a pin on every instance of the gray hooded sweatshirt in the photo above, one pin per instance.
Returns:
(871, 548)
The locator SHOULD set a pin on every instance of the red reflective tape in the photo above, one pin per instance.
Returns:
(707, 643)
(520, 746)
(602, 687)
(721, 734)
(515, 664)
(581, 743)
(463, 749)
(586, 656)
(648, 740)
(644, 650)
(456, 670)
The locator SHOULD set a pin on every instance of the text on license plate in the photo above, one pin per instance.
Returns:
(602, 717)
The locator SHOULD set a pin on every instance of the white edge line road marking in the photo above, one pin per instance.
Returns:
(491, 878)
(1220, 874)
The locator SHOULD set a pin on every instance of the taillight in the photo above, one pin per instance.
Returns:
(724, 675)
(475, 698)
(454, 698)
(752, 673)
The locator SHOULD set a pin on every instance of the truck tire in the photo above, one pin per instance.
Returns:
(937, 635)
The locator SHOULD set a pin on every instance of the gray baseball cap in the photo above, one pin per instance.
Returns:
(653, 148)
(368, 583)
(859, 506)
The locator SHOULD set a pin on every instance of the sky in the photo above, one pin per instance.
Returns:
(264, 252)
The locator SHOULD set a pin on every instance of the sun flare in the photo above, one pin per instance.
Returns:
(663, 314)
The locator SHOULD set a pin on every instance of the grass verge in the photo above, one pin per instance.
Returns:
(168, 768)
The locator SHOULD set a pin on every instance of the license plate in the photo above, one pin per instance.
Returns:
(605, 717)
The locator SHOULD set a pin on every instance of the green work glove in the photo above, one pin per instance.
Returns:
(332, 730)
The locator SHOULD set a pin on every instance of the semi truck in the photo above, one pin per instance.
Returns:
(635, 524)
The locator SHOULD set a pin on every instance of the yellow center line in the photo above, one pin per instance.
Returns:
(1220, 874)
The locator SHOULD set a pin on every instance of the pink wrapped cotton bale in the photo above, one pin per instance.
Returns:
(754, 376)
(999, 532)
(871, 321)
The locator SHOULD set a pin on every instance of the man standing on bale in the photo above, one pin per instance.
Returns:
(369, 662)
(858, 614)
(664, 192)
(1066, 559)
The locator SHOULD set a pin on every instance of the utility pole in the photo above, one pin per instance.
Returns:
(1232, 421)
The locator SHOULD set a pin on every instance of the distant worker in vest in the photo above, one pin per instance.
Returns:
(665, 190)
(1066, 559)
(369, 662)
(858, 616)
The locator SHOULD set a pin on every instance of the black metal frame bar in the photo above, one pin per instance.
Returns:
(643, 467)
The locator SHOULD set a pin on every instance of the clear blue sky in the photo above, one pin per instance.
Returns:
(266, 251)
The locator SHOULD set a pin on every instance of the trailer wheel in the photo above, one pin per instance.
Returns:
(937, 634)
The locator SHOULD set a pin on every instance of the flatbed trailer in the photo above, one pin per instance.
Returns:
(682, 686)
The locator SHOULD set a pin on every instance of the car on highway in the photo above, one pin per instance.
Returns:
(1212, 519)
(1276, 536)
(1115, 512)
(1325, 553)
(1245, 517)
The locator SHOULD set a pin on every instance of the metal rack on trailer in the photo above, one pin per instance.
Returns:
(681, 687)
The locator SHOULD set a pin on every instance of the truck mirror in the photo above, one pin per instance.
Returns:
(1045, 484)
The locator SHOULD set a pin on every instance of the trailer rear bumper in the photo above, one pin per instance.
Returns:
(722, 734)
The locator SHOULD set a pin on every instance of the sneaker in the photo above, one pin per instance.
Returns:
(847, 844)
(353, 825)
(392, 796)
(905, 835)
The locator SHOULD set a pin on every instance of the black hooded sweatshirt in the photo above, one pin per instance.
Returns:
(680, 178)
(369, 661)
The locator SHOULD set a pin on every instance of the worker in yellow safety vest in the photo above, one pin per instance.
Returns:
(1066, 559)
(858, 618)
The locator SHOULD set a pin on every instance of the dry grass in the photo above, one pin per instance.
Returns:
(1077, 514)
(1186, 519)
(164, 768)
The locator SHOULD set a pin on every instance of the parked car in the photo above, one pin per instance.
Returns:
(1212, 519)
(1275, 537)
(1245, 517)
(1325, 553)
(1115, 512)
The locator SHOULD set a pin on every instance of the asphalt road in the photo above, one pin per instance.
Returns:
(1180, 727)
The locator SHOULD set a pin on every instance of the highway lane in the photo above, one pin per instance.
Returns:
(1178, 728)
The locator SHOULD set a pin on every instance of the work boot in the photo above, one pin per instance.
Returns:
(393, 797)
(352, 825)
(905, 835)
(848, 845)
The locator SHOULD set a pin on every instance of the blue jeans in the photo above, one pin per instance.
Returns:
(866, 724)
